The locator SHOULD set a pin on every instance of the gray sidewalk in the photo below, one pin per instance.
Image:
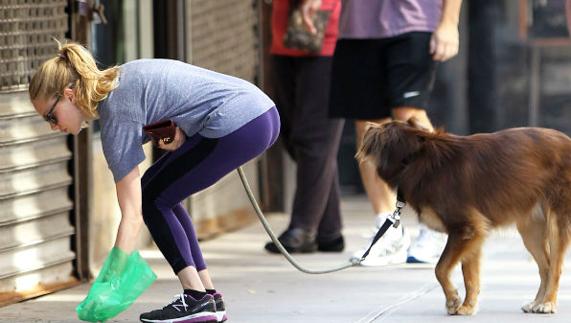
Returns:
(259, 287)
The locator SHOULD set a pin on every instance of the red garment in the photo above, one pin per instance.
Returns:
(280, 11)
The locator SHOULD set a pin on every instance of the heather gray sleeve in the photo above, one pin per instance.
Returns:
(122, 146)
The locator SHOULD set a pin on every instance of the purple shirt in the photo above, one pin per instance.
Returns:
(387, 18)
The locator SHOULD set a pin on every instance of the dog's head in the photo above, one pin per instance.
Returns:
(391, 146)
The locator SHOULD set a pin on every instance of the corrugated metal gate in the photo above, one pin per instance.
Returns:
(35, 203)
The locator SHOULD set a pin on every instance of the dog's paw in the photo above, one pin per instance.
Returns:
(528, 308)
(453, 305)
(465, 310)
(545, 308)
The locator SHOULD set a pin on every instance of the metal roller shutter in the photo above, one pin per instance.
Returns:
(35, 206)
(35, 203)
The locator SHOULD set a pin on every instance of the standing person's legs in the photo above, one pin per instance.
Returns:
(284, 75)
(410, 83)
(401, 70)
(313, 142)
(316, 138)
(329, 237)
(359, 91)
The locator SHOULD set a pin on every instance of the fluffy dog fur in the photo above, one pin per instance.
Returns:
(467, 185)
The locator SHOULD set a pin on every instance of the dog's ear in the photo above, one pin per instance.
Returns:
(369, 125)
(390, 147)
(370, 141)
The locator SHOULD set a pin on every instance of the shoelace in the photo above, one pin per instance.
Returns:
(175, 299)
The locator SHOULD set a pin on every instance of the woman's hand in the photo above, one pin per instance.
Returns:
(179, 139)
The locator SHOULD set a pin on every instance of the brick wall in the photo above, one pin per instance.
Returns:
(223, 36)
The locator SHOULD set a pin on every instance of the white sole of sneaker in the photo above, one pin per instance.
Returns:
(204, 317)
(221, 316)
(395, 259)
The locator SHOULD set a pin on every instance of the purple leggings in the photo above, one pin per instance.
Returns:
(196, 165)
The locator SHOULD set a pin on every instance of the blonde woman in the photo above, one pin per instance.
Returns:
(222, 123)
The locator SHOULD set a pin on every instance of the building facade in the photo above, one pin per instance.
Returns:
(58, 211)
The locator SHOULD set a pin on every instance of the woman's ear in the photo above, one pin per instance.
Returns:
(69, 94)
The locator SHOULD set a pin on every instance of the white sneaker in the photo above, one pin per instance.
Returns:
(390, 249)
(427, 247)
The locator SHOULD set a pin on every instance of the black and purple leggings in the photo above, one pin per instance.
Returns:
(196, 165)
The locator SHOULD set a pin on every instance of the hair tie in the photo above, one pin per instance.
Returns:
(61, 55)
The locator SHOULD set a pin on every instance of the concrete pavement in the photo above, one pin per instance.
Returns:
(259, 287)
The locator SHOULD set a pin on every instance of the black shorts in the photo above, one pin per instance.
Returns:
(370, 77)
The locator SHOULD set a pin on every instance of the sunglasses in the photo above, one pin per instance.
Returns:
(50, 116)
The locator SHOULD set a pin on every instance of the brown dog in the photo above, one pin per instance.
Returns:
(467, 185)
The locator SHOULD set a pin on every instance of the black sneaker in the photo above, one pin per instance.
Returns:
(185, 309)
(220, 308)
(294, 241)
(335, 245)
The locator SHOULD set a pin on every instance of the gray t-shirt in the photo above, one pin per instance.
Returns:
(197, 100)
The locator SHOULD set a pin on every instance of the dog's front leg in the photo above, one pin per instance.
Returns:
(471, 272)
(459, 246)
(448, 260)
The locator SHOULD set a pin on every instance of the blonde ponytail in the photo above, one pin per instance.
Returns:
(75, 67)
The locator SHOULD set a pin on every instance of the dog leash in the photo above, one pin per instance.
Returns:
(392, 220)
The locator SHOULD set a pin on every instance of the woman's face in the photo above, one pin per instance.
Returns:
(61, 112)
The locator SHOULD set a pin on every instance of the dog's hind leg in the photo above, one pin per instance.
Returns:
(558, 237)
(465, 246)
(533, 232)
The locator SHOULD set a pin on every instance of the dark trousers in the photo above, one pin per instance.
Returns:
(301, 93)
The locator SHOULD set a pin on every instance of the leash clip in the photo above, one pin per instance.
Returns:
(395, 216)
(392, 220)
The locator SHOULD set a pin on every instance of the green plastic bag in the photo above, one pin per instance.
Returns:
(121, 280)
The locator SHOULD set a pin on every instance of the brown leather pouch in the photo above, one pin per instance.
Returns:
(164, 130)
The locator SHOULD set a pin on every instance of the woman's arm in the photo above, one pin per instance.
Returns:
(130, 200)
(129, 197)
